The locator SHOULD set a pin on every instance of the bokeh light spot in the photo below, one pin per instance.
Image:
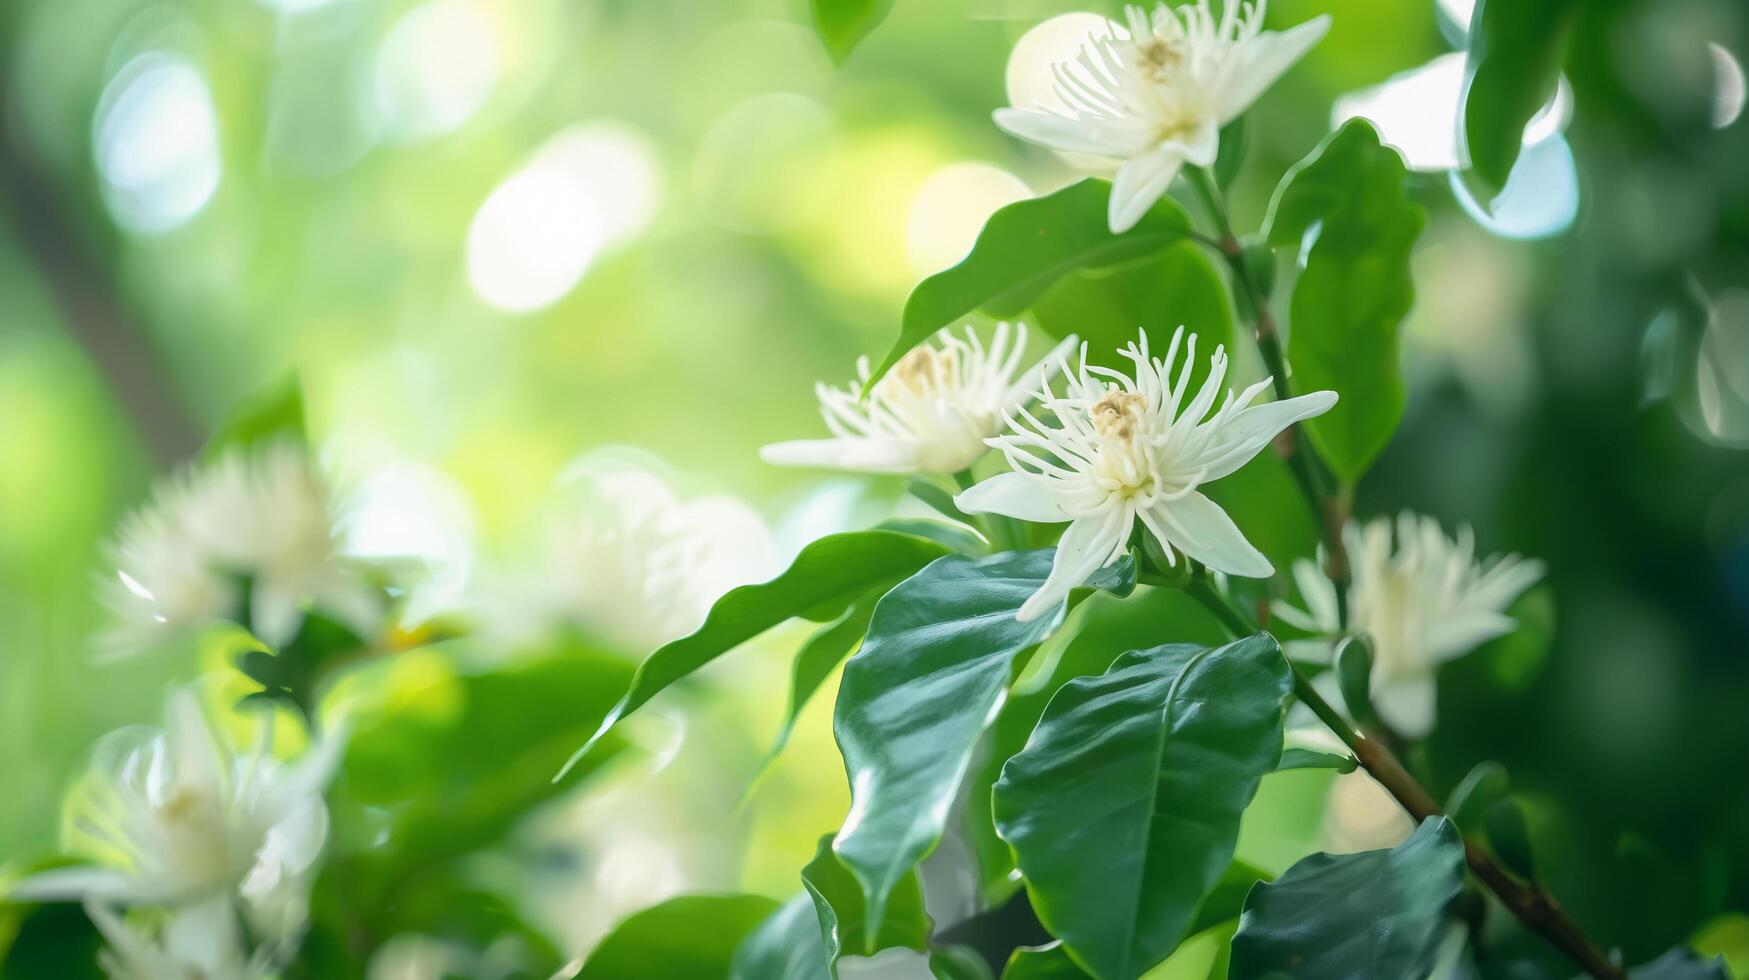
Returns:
(1728, 89)
(436, 68)
(1541, 196)
(951, 208)
(156, 143)
(586, 189)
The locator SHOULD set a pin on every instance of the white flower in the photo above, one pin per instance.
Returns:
(263, 514)
(1428, 602)
(199, 941)
(627, 561)
(173, 818)
(1157, 94)
(930, 414)
(1127, 450)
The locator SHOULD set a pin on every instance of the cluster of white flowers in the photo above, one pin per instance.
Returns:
(1422, 603)
(1156, 91)
(262, 514)
(224, 843)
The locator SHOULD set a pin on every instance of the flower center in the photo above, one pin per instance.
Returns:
(925, 370)
(1158, 57)
(1125, 463)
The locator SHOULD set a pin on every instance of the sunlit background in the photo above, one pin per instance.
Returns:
(546, 267)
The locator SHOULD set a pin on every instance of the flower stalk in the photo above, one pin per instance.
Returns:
(1527, 900)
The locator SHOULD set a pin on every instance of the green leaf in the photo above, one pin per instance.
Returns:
(1157, 293)
(1349, 301)
(1371, 914)
(844, 924)
(1050, 962)
(954, 537)
(1296, 758)
(1480, 789)
(1515, 660)
(1681, 963)
(47, 941)
(275, 414)
(1354, 679)
(420, 785)
(1124, 806)
(815, 662)
(913, 704)
(1509, 836)
(690, 936)
(1226, 899)
(842, 24)
(786, 946)
(957, 963)
(1098, 632)
(1230, 158)
(1023, 249)
(1514, 64)
(820, 584)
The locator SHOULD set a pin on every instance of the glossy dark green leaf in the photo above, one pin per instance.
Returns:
(1297, 758)
(1097, 633)
(1354, 663)
(1681, 963)
(815, 662)
(914, 702)
(843, 913)
(820, 584)
(1226, 899)
(1023, 249)
(1180, 286)
(690, 936)
(785, 946)
(1123, 809)
(842, 24)
(956, 537)
(1371, 914)
(270, 416)
(1042, 963)
(1349, 301)
(957, 963)
(1516, 51)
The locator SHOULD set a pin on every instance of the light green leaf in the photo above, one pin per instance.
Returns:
(844, 925)
(815, 662)
(690, 936)
(1312, 759)
(1180, 286)
(1373, 914)
(842, 24)
(1349, 301)
(1023, 249)
(912, 705)
(1514, 63)
(1050, 962)
(1230, 158)
(957, 963)
(786, 946)
(1124, 806)
(820, 584)
(272, 415)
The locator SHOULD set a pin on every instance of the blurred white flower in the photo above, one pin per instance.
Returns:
(930, 414)
(263, 514)
(1425, 603)
(1136, 449)
(200, 941)
(630, 562)
(1156, 94)
(174, 818)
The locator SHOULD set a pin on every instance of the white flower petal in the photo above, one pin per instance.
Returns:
(1202, 530)
(1203, 146)
(1059, 132)
(1139, 183)
(860, 455)
(1085, 547)
(1409, 705)
(1265, 58)
(69, 884)
(1017, 495)
(1245, 435)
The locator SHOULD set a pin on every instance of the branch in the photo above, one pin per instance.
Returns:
(1529, 901)
(92, 313)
